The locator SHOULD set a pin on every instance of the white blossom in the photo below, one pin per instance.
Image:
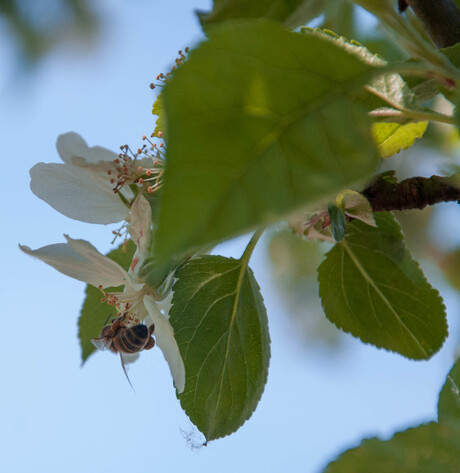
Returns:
(81, 260)
(80, 188)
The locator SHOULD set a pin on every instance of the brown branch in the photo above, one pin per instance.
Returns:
(414, 193)
(439, 18)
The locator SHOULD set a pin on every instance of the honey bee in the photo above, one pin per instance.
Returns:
(125, 340)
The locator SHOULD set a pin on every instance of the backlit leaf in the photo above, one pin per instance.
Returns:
(391, 138)
(221, 327)
(159, 111)
(292, 13)
(371, 287)
(429, 448)
(355, 205)
(449, 397)
(387, 90)
(261, 121)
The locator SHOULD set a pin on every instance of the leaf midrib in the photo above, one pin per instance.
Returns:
(338, 91)
(370, 281)
(239, 283)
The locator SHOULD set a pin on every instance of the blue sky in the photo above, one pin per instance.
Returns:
(57, 416)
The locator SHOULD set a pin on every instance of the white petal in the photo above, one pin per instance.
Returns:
(164, 335)
(80, 260)
(73, 150)
(78, 193)
(139, 227)
(166, 303)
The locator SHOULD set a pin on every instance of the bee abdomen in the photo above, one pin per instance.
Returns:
(133, 339)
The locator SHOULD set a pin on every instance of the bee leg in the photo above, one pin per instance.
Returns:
(124, 370)
(150, 344)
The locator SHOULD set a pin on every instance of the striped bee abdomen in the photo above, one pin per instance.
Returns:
(133, 339)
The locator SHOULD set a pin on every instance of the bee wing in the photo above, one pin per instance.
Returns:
(122, 358)
(102, 343)
(129, 358)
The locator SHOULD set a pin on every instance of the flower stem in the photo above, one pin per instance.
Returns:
(246, 256)
(414, 115)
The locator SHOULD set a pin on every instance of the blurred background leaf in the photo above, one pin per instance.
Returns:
(37, 27)
(294, 262)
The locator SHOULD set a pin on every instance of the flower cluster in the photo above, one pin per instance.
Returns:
(95, 185)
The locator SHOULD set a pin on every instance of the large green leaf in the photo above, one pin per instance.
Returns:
(94, 313)
(292, 13)
(371, 287)
(449, 397)
(221, 327)
(429, 448)
(261, 121)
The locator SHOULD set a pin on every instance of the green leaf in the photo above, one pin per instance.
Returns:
(449, 397)
(156, 274)
(391, 138)
(94, 313)
(338, 221)
(429, 448)
(453, 54)
(371, 287)
(261, 122)
(292, 13)
(340, 16)
(426, 89)
(221, 327)
(159, 111)
(382, 90)
(385, 90)
(355, 205)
